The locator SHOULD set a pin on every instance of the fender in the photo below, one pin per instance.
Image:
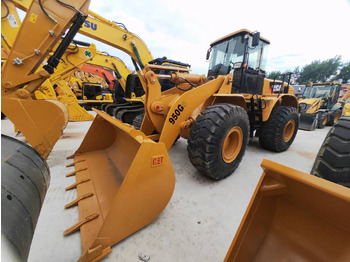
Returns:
(273, 102)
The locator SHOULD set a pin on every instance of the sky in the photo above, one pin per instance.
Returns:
(300, 31)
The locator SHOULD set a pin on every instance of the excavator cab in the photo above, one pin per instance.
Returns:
(243, 54)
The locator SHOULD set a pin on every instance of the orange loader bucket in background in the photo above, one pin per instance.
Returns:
(124, 180)
(294, 216)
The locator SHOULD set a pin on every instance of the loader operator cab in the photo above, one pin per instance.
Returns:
(243, 54)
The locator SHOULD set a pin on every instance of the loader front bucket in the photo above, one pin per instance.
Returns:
(124, 180)
(40, 121)
(307, 121)
(294, 216)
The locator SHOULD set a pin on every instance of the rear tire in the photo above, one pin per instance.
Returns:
(333, 159)
(278, 133)
(218, 140)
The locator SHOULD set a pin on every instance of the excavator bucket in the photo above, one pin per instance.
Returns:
(307, 121)
(294, 216)
(40, 121)
(124, 180)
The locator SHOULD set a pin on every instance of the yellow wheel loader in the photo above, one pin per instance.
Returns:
(271, 104)
(119, 191)
(318, 106)
(40, 121)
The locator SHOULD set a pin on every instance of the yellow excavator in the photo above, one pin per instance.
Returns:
(55, 87)
(116, 35)
(102, 68)
(113, 64)
(40, 121)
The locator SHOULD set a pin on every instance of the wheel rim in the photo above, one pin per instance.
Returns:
(232, 144)
(324, 122)
(336, 117)
(288, 130)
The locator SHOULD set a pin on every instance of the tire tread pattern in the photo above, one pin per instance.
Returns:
(205, 136)
(333, 159)
(271, 135)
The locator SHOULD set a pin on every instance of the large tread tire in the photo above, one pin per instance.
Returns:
(25, 178)
(207, 136)
(272, 133)
(333, 159)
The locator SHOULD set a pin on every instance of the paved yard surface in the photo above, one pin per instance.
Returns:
(199, 222)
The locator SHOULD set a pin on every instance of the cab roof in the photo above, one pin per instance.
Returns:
(237, 33)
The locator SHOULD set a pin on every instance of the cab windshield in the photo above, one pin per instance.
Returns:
(319, 91)
(227, 53)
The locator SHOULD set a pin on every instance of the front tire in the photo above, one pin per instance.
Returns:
(333, 159)
(279, 131)
(322, 121)
(218, 140)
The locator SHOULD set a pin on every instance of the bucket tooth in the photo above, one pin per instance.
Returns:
(77, 183)
(70, 157)
(73, 164)
(77, 226)
(75, 171)
(76, 201)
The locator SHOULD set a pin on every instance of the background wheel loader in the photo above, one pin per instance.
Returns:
(319, 107)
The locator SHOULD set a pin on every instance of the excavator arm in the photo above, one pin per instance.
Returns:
(10, 24)
(111, 33)
(40, 121)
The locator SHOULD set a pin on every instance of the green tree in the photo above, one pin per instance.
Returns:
(320, 71)
(344, 74)
(273, 74)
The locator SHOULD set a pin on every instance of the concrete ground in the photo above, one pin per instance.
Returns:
(200, 220)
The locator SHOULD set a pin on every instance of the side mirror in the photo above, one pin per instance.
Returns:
(208, 53)
(256, 39)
